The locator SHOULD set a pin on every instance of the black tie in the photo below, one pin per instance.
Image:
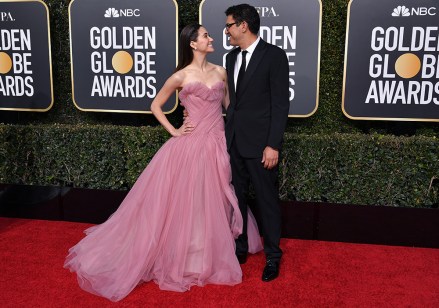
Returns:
(241, 70)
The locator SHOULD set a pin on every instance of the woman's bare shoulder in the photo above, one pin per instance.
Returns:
(218, 69)
(178, 78)
(222, 71)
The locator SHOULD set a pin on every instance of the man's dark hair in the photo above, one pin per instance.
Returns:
(247, 13)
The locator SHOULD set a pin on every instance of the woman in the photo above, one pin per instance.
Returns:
(178, 223)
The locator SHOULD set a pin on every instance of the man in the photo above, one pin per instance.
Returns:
(255, 124)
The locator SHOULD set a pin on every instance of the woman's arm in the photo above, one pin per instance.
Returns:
(226, 100)
(171, 85)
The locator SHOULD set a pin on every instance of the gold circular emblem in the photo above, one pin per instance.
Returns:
(407, 65)
(5, 63)
(122, 62)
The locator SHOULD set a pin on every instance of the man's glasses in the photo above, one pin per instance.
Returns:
(229, 25)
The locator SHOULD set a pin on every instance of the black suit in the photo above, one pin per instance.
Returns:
(256, 118)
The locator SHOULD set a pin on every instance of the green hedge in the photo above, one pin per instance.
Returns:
(361, 169)
(327, 157)
(340, 168)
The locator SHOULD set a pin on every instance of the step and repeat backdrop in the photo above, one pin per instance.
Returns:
(25, 59)
(294, 26)
(122, 52)
(392, 60)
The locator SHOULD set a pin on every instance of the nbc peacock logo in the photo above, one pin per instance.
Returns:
(401, 11)
(111, 13)
(116, 13)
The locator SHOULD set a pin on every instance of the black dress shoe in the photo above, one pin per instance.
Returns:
(242, 258)
(271, 270)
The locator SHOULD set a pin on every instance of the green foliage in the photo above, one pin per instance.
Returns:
(85, 156)
(188, 12)
(327, 157)
(339, 168)
(360, 169)
(140, 145)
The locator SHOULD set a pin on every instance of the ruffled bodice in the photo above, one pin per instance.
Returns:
(203, 104)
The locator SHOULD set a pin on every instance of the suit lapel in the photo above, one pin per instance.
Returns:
(230, 74)
(257, 56)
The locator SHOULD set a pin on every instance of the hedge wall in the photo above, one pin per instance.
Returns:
(327, 157)
(338, 168)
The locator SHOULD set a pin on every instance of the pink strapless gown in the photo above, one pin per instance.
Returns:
(177, 224)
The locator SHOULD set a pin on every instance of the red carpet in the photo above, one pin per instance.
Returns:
(313, 274)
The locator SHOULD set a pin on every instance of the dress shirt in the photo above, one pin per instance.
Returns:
(238, 62)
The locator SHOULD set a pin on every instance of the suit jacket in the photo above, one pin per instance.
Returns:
(257, 115)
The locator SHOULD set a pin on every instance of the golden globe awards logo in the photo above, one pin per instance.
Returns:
(391, 67)
(16, 63)
(25, 68)
(394, 65)
(121, 53)
(113, 80)
(283, 25)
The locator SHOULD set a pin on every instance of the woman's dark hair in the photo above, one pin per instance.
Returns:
(247, 13)
(185, 55)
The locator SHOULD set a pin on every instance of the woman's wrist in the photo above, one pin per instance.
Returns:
(173, 132)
